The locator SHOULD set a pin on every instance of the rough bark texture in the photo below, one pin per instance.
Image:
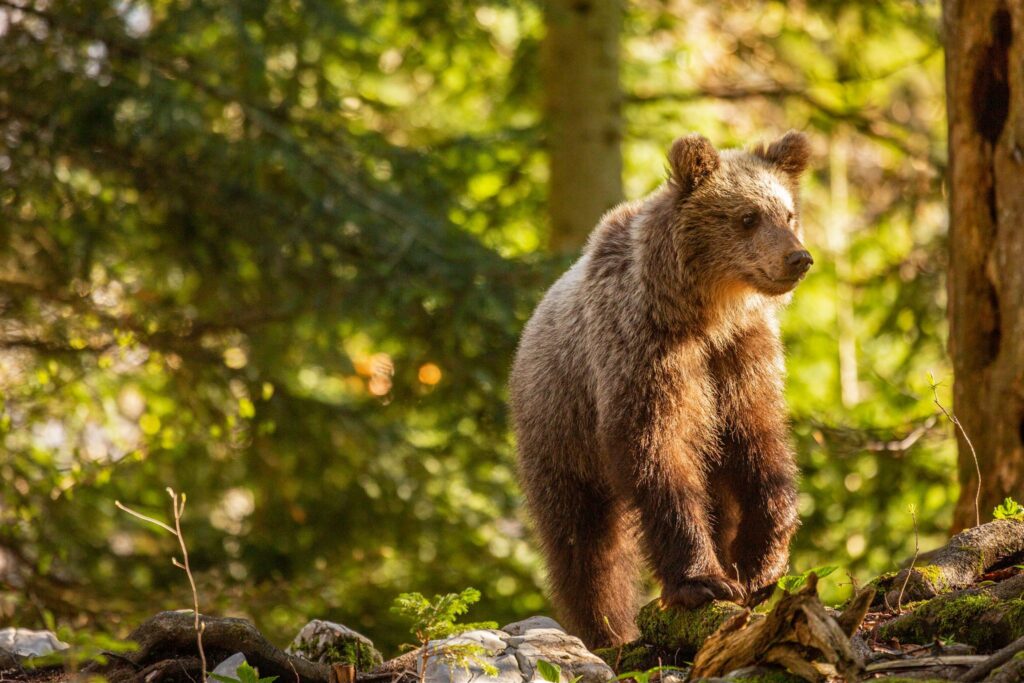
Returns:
(583, 102)
(957, 564)
(985, 91)
(986, 616)
(798, 635)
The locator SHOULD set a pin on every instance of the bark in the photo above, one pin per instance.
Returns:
(982, 669)
(583, 108)
(985, 101)
(956, 565)
(798, 635)
(985, 616)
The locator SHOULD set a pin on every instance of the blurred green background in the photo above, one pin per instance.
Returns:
(277, 253)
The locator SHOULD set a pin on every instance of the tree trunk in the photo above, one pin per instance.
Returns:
(583, 108)
(985, 99)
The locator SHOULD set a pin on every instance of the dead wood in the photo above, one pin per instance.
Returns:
(956, 565)
(798, 634)
(1011, 672)
(985, 616)
(171, 637)
(949, 667)
(982, 669)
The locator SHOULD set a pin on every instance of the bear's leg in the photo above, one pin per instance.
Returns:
(592, 563)
(763, 473)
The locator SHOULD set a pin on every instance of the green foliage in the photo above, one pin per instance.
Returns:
(438, 618)
(279, 255)
(552, 673)
(643, 676)
(794, 582)
(85, 647)
(245, 674)
(1009, 509)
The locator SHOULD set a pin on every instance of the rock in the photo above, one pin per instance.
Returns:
(514, 651)
(228, 668)
(24, 642)
(517, 628)
(331, 643)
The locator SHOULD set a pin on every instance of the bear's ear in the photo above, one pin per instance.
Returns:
(790, 153)
(691, 160)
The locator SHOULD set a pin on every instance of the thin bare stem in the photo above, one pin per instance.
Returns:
(910, 569)
(178, 508)
(144, 518)
(977, 467)
(178, 502)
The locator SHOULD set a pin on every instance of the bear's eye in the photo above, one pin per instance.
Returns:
(791, 218)
(750, 219)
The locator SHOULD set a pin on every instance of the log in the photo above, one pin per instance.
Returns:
(985, 616)
(172, 636)
(956, 565)
(798, 635)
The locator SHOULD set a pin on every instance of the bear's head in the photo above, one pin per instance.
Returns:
(738, 212)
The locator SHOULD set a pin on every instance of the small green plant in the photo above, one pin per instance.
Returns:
(644, 676)
(552, 673)
(436, 619)
(794, 582)
(1010, 509)
(244, 674)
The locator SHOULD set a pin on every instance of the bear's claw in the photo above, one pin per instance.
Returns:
(695, 591)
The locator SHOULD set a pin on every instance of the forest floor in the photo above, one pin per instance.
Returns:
(955, 614)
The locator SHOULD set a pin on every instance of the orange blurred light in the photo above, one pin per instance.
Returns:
(430, 374)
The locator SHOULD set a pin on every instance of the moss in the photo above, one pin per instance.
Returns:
(768, 675)
(934, 576)
(959, 618)
(633, 657)
(681, 629)
(1014, 616)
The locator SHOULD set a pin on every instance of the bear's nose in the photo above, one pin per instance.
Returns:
(799, 261)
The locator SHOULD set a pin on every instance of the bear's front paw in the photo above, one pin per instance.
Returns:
(756, 597)
(695, 591)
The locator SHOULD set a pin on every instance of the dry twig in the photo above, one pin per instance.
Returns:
(178, 508)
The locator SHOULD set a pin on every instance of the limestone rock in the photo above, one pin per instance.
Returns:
(514, 651)
(25, 642)
(228, 668)
(331, 643)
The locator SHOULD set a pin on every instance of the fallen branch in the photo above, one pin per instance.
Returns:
(982, 669)
(957, 564)
(987, 617)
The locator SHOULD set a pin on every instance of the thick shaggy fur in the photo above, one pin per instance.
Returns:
(647, 393)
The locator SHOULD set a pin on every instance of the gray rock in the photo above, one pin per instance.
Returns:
(517, 628)
(514, 652)
(228, 668)
(331, 643)
(28, 643)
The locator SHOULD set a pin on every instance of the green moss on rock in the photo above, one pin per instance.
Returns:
(633, 657)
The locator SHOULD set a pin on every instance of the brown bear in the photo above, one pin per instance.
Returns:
(647, 393)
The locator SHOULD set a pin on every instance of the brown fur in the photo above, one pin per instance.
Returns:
(647, 393)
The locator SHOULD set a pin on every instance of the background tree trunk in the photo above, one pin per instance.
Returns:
(583, 107)
(985, 98)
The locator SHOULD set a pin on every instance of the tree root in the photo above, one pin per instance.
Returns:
(167, 650)
(956, 565)
(985, 616)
